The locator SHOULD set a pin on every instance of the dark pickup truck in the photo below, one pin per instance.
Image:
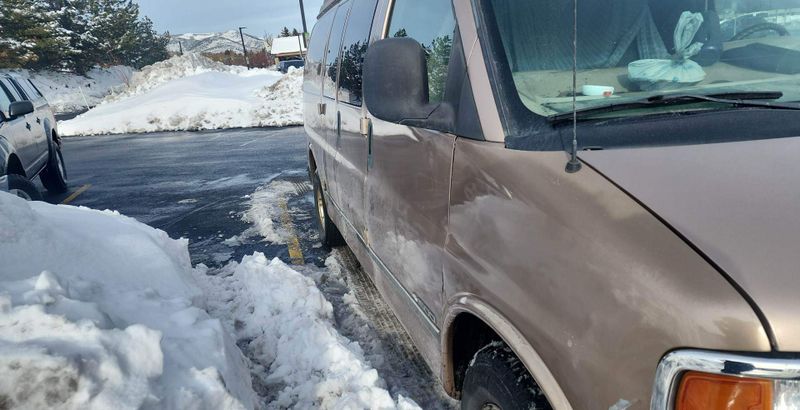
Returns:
(29, 141)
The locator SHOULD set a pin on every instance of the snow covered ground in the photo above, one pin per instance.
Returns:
(113, 315)
(191, 92)
(69, 92)
(99, 311)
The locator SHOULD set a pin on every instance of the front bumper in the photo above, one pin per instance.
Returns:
(783, 371)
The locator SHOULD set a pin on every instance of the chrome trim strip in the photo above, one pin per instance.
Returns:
(674, 364)
(379, 262)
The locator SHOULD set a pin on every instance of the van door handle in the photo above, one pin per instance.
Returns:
(321, 108)
(38, 121)
(28, 126)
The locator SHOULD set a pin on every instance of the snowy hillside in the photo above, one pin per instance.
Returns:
(214, 42)
(191, 92)
(69, 92)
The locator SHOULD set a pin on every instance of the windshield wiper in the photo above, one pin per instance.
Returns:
(736, 99)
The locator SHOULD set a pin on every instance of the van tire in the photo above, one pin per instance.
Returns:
(497, 379)
(54, 174)
(329, 234)
(23, 187)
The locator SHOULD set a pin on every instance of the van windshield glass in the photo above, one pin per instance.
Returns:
(628, 50)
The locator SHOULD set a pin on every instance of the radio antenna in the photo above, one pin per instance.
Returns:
(574, 164)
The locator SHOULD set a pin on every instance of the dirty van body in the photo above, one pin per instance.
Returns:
(605, 223)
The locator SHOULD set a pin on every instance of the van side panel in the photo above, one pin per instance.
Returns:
(566, 258)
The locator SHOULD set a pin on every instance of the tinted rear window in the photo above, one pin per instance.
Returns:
(354, 47)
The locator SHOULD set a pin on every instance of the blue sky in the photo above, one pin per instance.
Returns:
(200, 16)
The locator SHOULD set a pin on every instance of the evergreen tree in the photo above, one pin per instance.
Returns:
(30, 35)
(295, 33)
(285, 32)
(77, 34)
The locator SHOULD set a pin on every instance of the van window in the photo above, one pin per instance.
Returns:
(316, 52)
(432, 24)
(332, 57)
(354, 48)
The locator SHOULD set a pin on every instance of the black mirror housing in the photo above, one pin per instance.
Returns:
(396, 81)
(20, 108)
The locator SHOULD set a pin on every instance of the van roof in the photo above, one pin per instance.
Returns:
(326, 5)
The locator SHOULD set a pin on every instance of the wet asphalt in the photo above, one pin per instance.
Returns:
(194, 185)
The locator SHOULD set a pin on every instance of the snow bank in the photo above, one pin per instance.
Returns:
(192, 93)
(99, 311)
(165, 71)
(66, 91)
(290, 327)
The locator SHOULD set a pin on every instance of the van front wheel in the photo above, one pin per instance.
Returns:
(497, 379)
(329, 234)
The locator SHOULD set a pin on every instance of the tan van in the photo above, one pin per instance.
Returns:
(600, 212)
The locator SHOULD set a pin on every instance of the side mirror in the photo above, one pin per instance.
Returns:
(396, 81)
(20, 108)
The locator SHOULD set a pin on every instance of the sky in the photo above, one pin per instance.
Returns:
(201, 16)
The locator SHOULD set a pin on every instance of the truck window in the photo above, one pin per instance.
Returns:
(432, 24)
(5, 101)
(316, 52)
(354, 48)
(11, 90)
(29, 89)
(23, 95)
(332, 56)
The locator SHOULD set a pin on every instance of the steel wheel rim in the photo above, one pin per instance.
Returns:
(320, 209)
(60, 161)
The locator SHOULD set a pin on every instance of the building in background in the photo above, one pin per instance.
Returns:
(288, 48)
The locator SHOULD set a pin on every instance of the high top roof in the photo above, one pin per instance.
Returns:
(326, 5)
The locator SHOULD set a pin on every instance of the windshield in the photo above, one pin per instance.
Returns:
(628, 50)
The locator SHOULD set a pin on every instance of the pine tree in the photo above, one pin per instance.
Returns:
(285, 32)
(295, 33)
(30, 34)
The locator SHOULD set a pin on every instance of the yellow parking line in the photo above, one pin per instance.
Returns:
(76, 193)
(295, 253)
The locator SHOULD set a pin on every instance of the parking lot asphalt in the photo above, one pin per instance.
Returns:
(195, 185)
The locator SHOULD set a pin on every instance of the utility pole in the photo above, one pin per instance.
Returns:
(246, 61)
(305, 28)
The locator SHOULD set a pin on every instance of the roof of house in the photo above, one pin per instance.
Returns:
(287, 45)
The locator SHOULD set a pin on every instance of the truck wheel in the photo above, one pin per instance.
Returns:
(54, 174)
(497, 379)
(23, 187)
(329, 234)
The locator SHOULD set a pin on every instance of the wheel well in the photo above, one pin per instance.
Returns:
(15, 166)
(468, 335)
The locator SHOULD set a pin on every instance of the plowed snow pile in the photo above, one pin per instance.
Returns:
(99, 311)
(191, 92)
